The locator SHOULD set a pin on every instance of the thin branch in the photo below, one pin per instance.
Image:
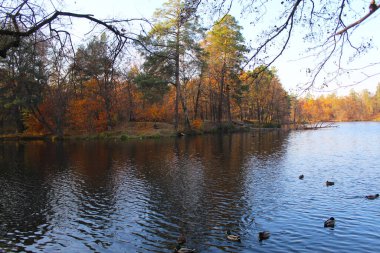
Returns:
(280, 30)
(357, 22)
(48, 20)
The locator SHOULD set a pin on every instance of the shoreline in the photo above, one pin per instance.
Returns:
(141, 130)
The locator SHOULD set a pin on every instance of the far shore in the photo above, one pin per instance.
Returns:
(143, 130)
(155, 130)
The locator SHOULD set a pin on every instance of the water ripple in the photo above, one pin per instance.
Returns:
(141, 195)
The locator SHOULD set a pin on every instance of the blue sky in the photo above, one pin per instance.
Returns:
(291, 66)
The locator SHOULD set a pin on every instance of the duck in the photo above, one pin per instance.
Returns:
(329, 183)
(235, 238)
(179, 249)
(330, 223)
(372, 196)
(301, 177)
(264, 235)
(181, 239)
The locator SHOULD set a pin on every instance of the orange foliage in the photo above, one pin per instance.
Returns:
(355, 106)
(157, 111)
(86, 114)
(153, 112)
(197, 124)
(33, 126)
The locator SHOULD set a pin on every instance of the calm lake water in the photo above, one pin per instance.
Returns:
(138, 196)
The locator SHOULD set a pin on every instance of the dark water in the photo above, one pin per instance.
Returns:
(138, 196)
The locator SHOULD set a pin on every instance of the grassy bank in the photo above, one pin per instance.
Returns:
(142, 130)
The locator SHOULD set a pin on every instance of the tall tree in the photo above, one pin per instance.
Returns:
(24, 81)
(59, 91)
(225, 48)
(268, 101)
(171, 44)
(97, 61)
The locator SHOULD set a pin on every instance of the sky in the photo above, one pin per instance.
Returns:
(291, 65)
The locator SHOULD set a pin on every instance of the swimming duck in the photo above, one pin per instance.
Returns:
(181, 239)
(301, 177)
(264, 235)
(329, 183)
(330, 223)
(235, 238)
(179, 249)
(372, 196)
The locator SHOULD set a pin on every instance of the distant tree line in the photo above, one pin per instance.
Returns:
(362, 106)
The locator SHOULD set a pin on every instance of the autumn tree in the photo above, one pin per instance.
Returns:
(225, 47)
(377, 101)
(171, 43)
(130, 89)
(267, 99)
(152, 88)
(97, 61)
(355, 106)
(59, 91)
(23, 82)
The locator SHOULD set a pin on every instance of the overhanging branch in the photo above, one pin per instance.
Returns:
(357, 22)
(16, 32)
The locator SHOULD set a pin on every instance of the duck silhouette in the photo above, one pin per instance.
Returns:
(264, 235)
(330, 223)
(231, 237)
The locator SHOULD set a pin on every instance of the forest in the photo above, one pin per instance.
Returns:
(180, 73)
(362, 106)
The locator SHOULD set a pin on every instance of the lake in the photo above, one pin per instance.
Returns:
(140, 195)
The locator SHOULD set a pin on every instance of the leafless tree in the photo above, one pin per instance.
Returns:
(22, 18)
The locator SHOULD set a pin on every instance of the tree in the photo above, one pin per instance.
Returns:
(152, 88)
(268, 101)
(130, 87)
(377, 100)
(24, 82)
(170, 44)
(97, 61)
(59, 91)
(225, 48)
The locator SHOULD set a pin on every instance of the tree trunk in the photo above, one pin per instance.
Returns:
(59, 127)
(241, 111)
(18, 120)
(107, 104)
(221, 88)
(197, 100)
(177, 82)
(187, 121)
(40, 117)
(228, 105)
(212, 106)
(108, 113)
(59, 120)
(131, 116)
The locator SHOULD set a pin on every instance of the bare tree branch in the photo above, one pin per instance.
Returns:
(14, 32)
(283, 27)
(357, 22)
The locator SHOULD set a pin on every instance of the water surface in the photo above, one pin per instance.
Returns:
(138, 196)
